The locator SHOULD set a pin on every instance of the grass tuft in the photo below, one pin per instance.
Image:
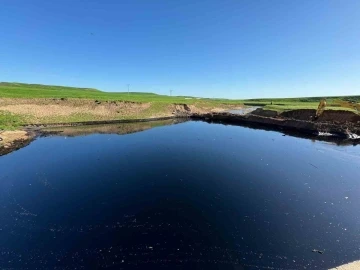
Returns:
(9, 121)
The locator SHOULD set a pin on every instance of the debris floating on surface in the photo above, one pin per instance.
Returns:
(318, 251)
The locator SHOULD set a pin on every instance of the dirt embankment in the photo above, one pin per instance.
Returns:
(61, 110)
(344, 124)
(14, 140)
(335, 116)
(186, 109)
(40, 110)
(265, 113)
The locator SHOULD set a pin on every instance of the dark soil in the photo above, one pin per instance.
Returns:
(337, 123)
(266, 113)
(327, 116)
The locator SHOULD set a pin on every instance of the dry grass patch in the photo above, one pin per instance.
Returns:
(40, 110)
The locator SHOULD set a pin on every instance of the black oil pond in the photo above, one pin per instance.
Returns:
(187, 196)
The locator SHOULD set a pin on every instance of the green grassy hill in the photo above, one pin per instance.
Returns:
(36, 103)
(60, 104)
(21, 90)
(304, 99)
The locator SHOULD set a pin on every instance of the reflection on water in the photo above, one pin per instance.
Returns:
(120, 129)
(192, 195)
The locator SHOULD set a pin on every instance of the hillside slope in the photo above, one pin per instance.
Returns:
(22, 104)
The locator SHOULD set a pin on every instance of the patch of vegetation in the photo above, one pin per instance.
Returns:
(9, 121)
(303, 99)
(289, 107)
(296, 105)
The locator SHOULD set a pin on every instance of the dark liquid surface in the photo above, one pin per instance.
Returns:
(192, 195)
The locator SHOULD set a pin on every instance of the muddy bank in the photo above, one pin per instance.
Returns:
(13, 140)
(340, 124)
(265, 113)
(335, 116)
(332, 125)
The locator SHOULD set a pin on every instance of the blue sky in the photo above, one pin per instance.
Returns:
(223, 48)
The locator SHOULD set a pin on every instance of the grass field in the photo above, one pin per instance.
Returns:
(21, 90)
(285, 104)
(9, 121)
(34, 103)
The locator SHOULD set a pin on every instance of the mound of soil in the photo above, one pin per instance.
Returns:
(327, 116)
(265, 113)
(312, 128)
(303, 114)
(340, 116)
